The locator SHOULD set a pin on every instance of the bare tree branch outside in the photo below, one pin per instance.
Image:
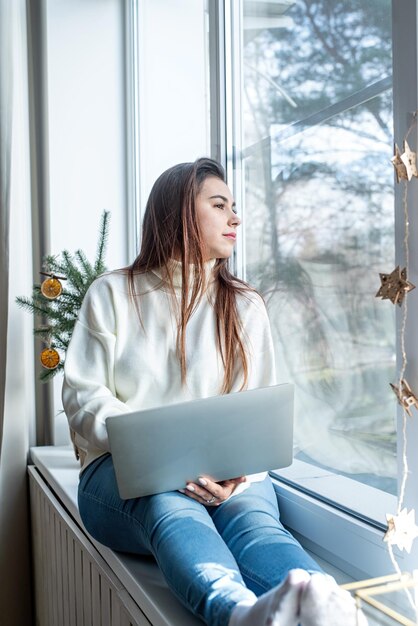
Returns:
(318, 139)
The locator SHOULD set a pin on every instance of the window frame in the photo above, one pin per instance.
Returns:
(133, 112)
(356, 546)
(405, 102)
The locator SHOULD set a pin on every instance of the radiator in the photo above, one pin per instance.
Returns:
(73, 584)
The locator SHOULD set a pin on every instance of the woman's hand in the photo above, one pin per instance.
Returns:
(209, 493)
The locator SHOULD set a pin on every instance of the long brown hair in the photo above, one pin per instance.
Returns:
(171, 230)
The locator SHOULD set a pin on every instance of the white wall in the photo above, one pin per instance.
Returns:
(86, 106)
(86, 124)
(174, 86)
(86, 102)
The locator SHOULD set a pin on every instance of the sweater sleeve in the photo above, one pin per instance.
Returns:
(88, 393)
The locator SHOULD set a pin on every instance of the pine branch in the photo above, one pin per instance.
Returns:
(70, 302)
(52, 264)
(60, 344)
(47, 375)
(32, 306)
(62, 312)
(99, 266)
(71, 271)
(89, 274)
(43, 333)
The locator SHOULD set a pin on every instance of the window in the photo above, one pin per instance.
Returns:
(301, 115)
(309, 142)
(316, 127)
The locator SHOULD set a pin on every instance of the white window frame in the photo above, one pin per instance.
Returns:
(405, 99)
(133, 110)
(353, 545)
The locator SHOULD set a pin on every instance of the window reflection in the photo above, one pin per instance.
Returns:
(319, 203)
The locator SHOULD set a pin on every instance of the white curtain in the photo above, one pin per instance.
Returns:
(16, 344)
(5, 159)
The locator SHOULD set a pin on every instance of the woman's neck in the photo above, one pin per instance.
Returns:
(175, 268)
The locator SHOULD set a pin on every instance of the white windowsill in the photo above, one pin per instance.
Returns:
(349, 544)
(358, 499)
(344, 546)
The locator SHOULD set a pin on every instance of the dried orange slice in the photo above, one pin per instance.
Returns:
(51, 288)
(50, 358)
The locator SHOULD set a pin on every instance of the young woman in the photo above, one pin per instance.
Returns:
(177, 325)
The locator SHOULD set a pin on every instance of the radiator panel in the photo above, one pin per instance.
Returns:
(73, 584)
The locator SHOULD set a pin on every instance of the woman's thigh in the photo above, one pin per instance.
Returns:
(168, 524)
(114, 522)
(175, 529)
(265, 551)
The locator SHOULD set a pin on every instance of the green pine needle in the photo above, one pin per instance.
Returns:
(85, 265)
(99, 266)
(58, 316)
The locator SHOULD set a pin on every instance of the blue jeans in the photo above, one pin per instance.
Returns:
(211, 557)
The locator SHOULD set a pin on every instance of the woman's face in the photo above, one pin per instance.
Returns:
(218, 221)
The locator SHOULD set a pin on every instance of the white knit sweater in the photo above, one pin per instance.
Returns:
(114, 365)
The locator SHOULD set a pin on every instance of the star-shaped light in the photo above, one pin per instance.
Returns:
(405, 395)
(402, 529)
(399, 165)
(409, 159)
(394, 286)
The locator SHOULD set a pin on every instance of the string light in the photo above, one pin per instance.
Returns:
(402, 530)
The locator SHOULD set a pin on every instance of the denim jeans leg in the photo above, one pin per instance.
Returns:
(265, 551)
(178, 531)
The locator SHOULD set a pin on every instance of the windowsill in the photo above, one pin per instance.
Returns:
(346, 547)
(352, 545)
(357, 499)
(140, 577)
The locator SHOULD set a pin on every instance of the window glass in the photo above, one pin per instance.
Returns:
(319, 222)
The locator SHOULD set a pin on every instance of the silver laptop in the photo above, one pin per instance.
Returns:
(162, 449)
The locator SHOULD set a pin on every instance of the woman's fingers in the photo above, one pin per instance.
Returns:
(211, 493)
(201, 495)
(212, 488)
(234, 481)
(208, 492)
(216, 487)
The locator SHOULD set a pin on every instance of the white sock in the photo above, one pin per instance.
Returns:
(277, 607)
(324, 603)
